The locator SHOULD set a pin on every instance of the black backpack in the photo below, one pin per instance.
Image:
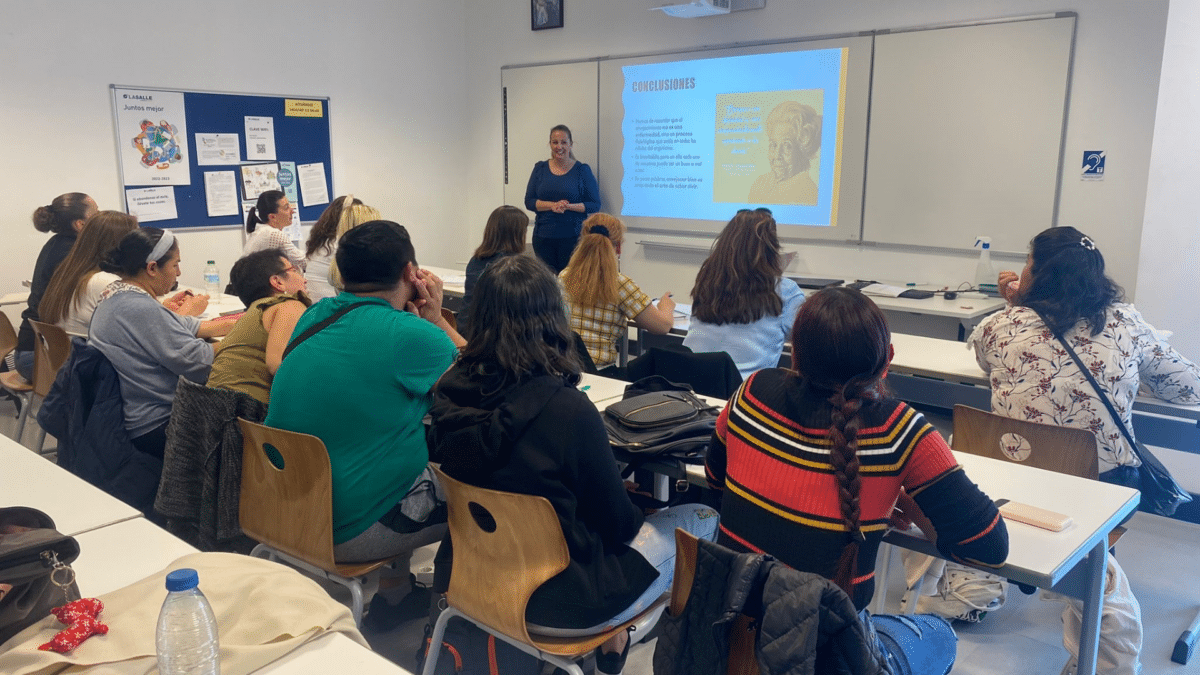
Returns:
(468, 650)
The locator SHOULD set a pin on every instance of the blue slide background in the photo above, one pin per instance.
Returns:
(685, 162)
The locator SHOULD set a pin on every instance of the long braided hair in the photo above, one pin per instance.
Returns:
(841, 345)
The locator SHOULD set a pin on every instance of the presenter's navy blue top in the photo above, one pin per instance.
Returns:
(577, 186)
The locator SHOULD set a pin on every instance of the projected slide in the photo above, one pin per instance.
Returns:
(706, 137)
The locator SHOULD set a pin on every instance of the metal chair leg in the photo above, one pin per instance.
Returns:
(25, 406)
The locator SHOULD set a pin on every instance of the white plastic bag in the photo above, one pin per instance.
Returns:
(950, 590)
(1120, 626)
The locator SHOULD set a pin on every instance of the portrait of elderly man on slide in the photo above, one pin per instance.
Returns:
(793, 138)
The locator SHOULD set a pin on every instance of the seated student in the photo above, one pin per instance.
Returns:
(148, 345)
(275, 211)
(503, 236)
(508, 417)
(602, 300)
(361, 384)
(76, 286)
(741, 303)
(65, 217)
(342, 214)
(1064, 289)
(273, 290)
(811, 463)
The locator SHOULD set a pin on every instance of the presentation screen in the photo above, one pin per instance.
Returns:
(697, 139)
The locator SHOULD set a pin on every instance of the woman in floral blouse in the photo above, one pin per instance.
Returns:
(1035, 379)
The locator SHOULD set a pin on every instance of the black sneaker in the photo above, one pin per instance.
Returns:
(384, 617)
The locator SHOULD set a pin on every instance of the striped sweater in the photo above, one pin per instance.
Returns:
(770, 456)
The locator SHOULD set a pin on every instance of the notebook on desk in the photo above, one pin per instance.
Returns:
(816, 284)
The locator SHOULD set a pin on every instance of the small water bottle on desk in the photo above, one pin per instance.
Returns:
(212, 280)
(186, 639)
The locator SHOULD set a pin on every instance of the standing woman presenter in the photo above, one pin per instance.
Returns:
(275, 211)
(562, 191)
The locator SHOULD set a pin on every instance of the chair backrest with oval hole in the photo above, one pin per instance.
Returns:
(506, 545)
(287, 493)
(1044, 446)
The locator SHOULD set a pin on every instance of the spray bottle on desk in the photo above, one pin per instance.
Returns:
(985, 274)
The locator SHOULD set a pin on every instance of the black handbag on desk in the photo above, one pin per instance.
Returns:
(1160, 493)
(34, 560)
(668, 423)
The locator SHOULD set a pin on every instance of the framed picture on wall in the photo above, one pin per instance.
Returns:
(545, 14)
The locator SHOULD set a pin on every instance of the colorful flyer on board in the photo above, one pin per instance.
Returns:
(152, 134)
(258, 178)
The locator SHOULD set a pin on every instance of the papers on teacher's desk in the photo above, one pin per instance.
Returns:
(883, 290)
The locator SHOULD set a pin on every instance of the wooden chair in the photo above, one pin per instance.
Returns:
(8, 336)
(287, 506)
(742, 635)
(506, 545)
(450, 318)
(11, 380)
(51, 348)
(1044, 446)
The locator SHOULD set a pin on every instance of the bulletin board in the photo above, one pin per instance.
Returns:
(181, 152)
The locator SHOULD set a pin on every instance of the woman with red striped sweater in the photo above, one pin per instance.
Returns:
(813, 462)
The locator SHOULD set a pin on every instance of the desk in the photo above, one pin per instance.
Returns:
(105, 564)
(454, 281)
(332, 653)
(1071, 562)
(75, 505)
(18, 298)
(120, 554)
(941, 373)
(602, 390)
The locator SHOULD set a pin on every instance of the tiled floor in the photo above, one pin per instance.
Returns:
(1159, 555)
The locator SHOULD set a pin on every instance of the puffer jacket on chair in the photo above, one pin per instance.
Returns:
(806, 624)
(84, 411)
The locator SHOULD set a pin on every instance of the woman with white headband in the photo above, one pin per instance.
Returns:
(148, 345)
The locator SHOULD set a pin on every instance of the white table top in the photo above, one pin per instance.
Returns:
(934, 357)
(454, 281)
(333, 653)
(959, 308)
(602, 390)
(117, 555)
(75, 505)
(1040, 555)
(955, 362)
(1037, 556)
(18, 298)
(106, 564)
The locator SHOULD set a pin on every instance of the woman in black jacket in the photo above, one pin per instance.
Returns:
(508, 416)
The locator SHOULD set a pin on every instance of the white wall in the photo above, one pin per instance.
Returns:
(1167, 280)
(1113, 98)
(393, 69)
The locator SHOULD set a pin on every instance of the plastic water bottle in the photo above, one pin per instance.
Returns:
(985, 274)
(186, 640)
(212, 280)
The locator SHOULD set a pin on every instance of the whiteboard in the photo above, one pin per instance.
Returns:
(540, 97)
(966, 134)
